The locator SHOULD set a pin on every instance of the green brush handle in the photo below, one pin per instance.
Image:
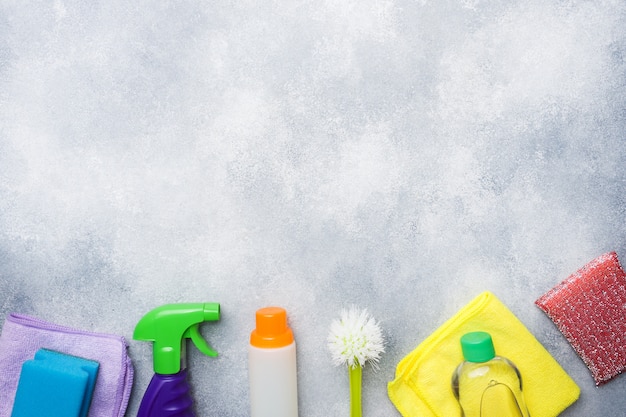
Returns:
(355, 373)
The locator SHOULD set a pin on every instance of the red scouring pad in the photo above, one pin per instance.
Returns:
(589, 308)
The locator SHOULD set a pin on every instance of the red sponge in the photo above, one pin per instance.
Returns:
(589, 308)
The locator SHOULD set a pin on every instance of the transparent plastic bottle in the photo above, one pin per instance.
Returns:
(487, 385)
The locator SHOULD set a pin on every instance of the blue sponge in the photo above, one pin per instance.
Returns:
(54, 384)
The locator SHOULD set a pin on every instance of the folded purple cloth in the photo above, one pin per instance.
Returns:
(22, 336)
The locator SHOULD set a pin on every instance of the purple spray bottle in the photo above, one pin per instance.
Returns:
(169, 327)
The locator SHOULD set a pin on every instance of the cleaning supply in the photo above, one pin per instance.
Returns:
(486, 384)
(272, 366)
(589, 308)
(355, 339)
(22, 336)
(168, 327)
(421, 387)
(54, 384)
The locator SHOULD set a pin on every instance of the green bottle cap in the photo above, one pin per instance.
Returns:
(477, 347)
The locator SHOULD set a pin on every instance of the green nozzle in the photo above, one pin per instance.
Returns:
(169, 326)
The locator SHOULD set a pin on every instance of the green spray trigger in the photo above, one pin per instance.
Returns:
(194, 333)
(169, 326)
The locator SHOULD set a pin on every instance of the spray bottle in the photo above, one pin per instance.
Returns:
(169, 327)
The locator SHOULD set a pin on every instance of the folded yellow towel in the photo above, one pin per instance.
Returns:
(422, 384)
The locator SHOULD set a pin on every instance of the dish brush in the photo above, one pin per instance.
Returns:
(354, 339)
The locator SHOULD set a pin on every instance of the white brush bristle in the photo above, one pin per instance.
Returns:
(355, 338)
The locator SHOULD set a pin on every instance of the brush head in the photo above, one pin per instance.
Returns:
(355, 338)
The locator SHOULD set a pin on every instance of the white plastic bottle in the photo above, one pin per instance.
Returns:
(272, 366)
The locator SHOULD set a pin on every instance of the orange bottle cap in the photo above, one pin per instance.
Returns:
(271, 329)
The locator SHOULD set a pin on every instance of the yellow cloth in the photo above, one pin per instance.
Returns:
(422, 384)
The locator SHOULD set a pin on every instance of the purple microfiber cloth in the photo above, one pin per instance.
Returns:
(22, 336)
(589, 308)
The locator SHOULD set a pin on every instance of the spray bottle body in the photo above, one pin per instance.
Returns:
(167, 396)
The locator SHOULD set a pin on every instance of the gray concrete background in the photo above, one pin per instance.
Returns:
(401, 156)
